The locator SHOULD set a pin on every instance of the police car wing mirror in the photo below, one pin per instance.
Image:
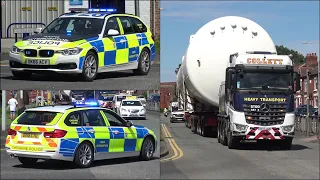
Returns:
(113, 32)
(129, 123)
(38, 30)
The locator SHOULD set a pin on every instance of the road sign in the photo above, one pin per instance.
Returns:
(23, 30)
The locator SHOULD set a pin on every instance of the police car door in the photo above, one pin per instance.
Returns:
(95, 124)
(130, 34)
(114, 45)
(124, 138)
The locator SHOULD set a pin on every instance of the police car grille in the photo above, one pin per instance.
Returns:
(46, 53)
(30, 52)
(274, 116)
(179, 115)
(134, 110)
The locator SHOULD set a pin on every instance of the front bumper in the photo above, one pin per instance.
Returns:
(177, 118)
(58, 63)
(133, 115)
(38, 155)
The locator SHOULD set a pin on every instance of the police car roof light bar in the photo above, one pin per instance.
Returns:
(102, 10)
(90, 103)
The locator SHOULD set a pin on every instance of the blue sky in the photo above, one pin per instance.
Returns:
(289, 23)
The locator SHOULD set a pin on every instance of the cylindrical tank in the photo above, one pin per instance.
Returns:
(207, 57)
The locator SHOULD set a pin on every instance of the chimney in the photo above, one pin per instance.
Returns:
(311, 60)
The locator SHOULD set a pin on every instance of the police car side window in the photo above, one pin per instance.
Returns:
(126, 25)
(73, 119)
(92, 117)
(112, 23)
(113, 119)
(138, 26)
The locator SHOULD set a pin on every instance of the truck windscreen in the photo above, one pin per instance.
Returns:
(264, 80)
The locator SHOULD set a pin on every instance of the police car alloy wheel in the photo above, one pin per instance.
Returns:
(84, 155)
(147, 149)
(23, 75)
(144, 63)
(90, 67)
(27, 161)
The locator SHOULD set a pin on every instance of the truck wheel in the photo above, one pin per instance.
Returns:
(90, 67)
(22, 74)
(224, 140)
(233, 142)
(286, 144)
(28, 161)
(144, 63)
(84, 155)
(219, 137)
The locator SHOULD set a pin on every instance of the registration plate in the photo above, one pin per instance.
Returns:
(38, 61)
(264, 128)
(27, 148)
(30, 135)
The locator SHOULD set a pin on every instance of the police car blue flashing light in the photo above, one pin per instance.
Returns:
(91, 103)
(102, 10)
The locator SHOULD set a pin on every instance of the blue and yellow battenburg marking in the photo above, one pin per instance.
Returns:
(123, 141)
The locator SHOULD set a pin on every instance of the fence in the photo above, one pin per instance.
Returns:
(153, 106)
(310, 127)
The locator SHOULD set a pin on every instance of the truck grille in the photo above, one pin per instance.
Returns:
(46, 53)
(30, 52)
(274, 116)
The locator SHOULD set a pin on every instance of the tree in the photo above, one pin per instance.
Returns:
(297, 57)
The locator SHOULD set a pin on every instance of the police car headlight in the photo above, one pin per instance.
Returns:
(143, 110)
(72, 51)
(124, 110)
(15, 50)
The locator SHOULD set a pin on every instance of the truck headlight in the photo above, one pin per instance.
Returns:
(15, 50)
(287, 128)
(72, 51)
(241, 127)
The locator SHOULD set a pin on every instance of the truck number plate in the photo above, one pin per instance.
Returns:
(265, 128)
(254, 107)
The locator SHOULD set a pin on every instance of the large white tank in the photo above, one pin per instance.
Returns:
(204, 64)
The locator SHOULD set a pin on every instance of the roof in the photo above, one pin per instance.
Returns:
(59, 109)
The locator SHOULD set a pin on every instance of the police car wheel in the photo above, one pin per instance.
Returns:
(19, 74)
(27, 161)
(147, 149)
(90, 67)
(84, 155)
(144, 63)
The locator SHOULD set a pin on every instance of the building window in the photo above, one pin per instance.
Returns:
(300, 100)
(315, 83)
(305, 85)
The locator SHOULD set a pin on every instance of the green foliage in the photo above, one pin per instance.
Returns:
(145, 94)
(157, 44)
(297, 57)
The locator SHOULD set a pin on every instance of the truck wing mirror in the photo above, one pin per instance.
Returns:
(229, 78)
(297, 81)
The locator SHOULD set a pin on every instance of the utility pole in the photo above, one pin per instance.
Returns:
(4, 103)
(42, 97)
(308, 102)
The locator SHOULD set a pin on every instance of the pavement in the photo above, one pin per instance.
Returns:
(195, 157)
(123, 168)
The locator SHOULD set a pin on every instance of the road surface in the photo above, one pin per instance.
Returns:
(198, 157)
(111, 80)
(125, 168)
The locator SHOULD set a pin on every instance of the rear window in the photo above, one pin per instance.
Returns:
(36, 118)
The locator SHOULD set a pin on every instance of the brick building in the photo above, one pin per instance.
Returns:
(155, 18)
(167, 94)
(311, 65)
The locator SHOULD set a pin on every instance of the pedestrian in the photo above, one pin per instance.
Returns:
(12, 106)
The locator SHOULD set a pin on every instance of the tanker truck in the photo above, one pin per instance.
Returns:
(239, 88)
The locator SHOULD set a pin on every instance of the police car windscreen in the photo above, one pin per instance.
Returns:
(131, 103)
(76, 26)
(36, 117)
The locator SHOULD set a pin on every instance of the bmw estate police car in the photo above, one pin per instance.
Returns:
(86, 44)
(77, 133)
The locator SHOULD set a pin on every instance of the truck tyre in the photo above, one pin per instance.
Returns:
(28, 161)
(224, 140)
(233, 142)
(144, 63)
(286, 144)
(90, 67)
